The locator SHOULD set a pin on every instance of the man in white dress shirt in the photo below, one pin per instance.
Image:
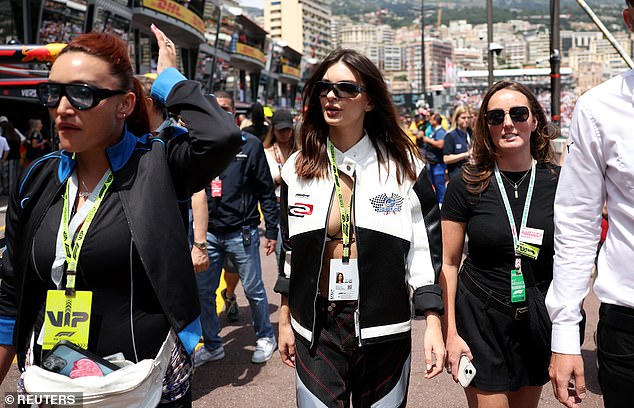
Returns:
(599, 167)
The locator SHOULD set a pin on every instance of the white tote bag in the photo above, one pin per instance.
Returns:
(137, 385)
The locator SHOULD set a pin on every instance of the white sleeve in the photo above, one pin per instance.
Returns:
(577, 210)
(424, 260)
(4, 144)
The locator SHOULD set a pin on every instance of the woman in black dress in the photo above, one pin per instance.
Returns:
(504, 203)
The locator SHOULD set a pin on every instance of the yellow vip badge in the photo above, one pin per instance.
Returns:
(528, 250)
(67, 318)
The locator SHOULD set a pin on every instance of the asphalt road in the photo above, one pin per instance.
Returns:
(236, 382)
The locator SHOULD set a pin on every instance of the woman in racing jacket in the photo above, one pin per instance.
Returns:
(356, 201)
(118, 194)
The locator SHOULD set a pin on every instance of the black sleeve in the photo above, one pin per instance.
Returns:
(455, 204)
(265, 189)
(450, 145)
(429, 297)
(212, 141)
(8, 300)
(283, 279)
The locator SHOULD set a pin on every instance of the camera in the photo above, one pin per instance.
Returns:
(54, 363)
(466, 371)
(246, 235)
(496, 48)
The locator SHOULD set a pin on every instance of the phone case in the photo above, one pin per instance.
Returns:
(466, 371)
(73, 361)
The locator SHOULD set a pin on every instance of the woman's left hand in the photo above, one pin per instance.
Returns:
(434, 346)
(167, 50)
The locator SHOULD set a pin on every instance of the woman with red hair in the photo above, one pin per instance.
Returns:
(102, 218)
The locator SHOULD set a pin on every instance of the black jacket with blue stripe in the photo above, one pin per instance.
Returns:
(152, 177)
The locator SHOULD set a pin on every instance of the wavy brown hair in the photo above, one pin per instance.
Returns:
(381, 123)
(478, 176)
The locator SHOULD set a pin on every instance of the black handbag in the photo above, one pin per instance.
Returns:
(428, 156)
(540, 325)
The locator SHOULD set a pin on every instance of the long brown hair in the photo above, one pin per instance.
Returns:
(381, 124)
(114, 51)
(8, 131)
(478, 176)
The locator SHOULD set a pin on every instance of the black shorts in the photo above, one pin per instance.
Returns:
(501, 346)
(338, 370)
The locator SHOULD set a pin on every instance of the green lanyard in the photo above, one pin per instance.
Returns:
(345, 214)
(72, 251)
(516, 275)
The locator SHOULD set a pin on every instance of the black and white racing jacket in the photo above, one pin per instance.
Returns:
(398, 239)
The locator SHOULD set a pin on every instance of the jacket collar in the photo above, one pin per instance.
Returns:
(348, 160)
(118, 155)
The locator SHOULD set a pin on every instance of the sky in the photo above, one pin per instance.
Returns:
(253, 3)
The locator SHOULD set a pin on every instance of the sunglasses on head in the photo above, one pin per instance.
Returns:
(341, 89)
(80, 96)
(495, 117)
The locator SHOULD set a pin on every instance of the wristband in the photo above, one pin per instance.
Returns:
(200, 245)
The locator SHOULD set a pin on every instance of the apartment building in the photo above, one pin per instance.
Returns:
(303, 25)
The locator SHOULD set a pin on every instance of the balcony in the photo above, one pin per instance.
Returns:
(290, 74)
(182, 25)
(248, 58)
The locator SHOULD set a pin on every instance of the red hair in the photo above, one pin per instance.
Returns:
(114, 51)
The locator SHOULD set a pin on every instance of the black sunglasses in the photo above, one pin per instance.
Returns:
(341, 89)
(80, 96)
(495, 117)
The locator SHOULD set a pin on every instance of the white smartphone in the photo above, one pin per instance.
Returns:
(466, 371)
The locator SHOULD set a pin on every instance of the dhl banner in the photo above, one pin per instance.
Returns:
(288, 70)
(249, 51)
(173, 9)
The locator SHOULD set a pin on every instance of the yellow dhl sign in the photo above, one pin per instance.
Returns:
(249, 51)
(173, 9)
(288, 70)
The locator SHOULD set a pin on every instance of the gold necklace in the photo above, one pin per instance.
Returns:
(516, 184)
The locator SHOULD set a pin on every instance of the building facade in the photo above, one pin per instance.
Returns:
(303, 25)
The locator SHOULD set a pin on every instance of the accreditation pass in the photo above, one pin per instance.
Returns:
(343, 283)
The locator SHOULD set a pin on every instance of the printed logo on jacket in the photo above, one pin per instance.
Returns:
(300, 208)
(387, 205)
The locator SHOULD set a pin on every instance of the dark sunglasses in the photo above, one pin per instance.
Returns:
(341, 89)
(495, 117)
(80, 96)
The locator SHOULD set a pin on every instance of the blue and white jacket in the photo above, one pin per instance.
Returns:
(398, 239)
(151, 176)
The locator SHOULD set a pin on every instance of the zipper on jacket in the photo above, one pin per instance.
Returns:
(323, 248)
(357, 313)
(37, 272)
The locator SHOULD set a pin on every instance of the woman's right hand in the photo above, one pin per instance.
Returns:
(286, 344)
(456, 347)
(167, 50)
